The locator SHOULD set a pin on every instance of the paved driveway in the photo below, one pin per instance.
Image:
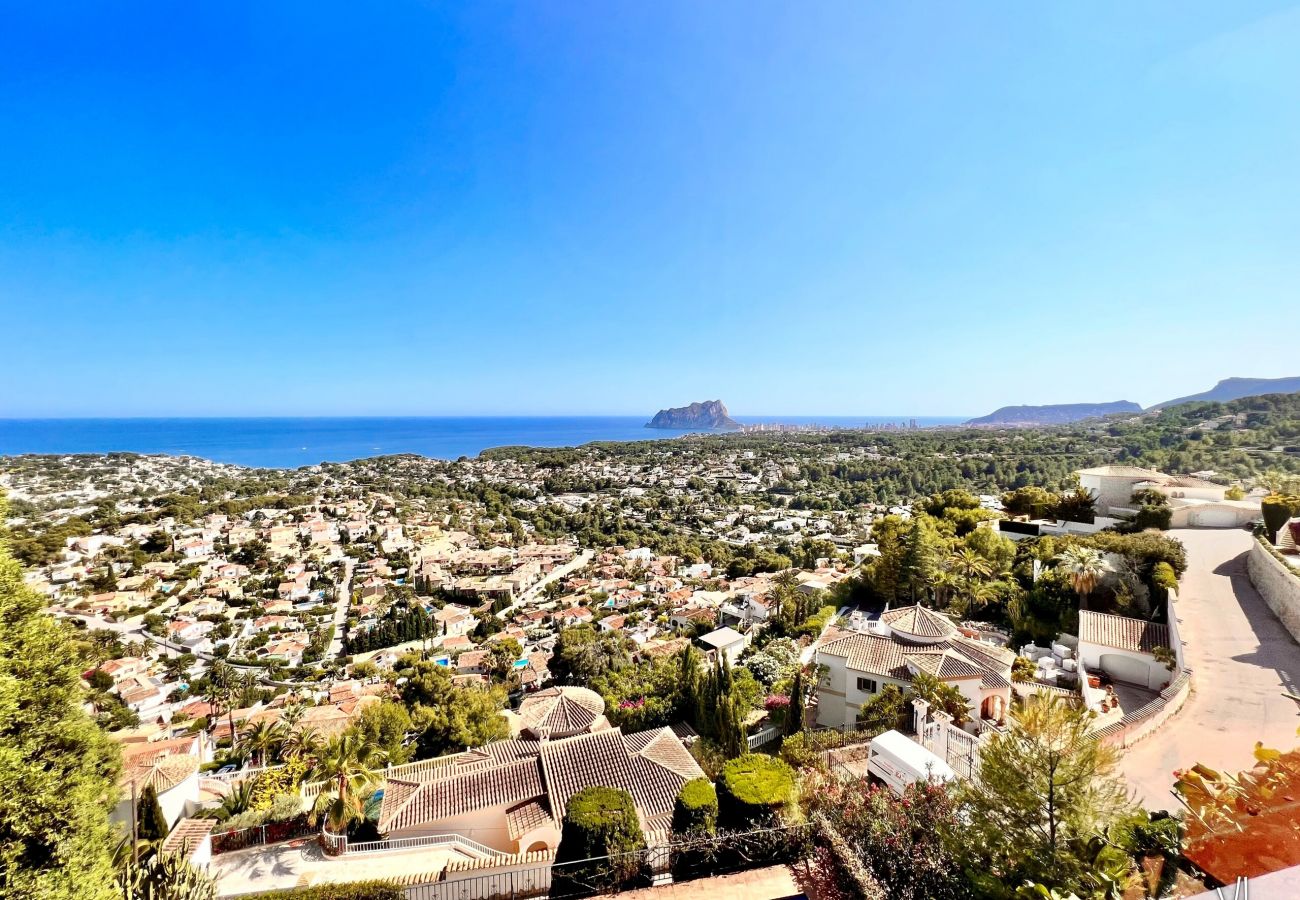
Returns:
(1242, 660)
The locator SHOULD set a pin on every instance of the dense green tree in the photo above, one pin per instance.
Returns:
(57, 770)
(1047, 789)
(387, 725)
(899, 840)
(942, 696)
(754, 791)
(582, 652)
(695, 811)
(447, 717)
(151, 824)
(1031, 500)
(889, 709)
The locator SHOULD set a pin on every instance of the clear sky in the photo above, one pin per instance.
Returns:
(218, 208)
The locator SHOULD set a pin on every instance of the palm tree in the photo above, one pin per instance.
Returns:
(970, 565)
(944, 584)
(261, 739)
(941, 696)
(292, 715)
(977, 595)
(1085, 566)
(221, 692)
(351, 765)
(239, 800)
(304, 742)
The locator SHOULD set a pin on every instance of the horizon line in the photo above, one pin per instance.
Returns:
(141, 418)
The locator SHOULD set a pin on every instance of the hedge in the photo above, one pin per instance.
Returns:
(696, 809)
(358, 890)
(753, 790)
(599, 822)
(1277, 509)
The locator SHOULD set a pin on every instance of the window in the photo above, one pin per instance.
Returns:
(867, 684)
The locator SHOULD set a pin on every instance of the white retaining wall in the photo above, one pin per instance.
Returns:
(1278, 584)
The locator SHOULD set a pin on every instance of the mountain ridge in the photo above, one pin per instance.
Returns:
(1236, 388)
(1054, 413)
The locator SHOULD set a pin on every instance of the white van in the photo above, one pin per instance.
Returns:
(898, 761)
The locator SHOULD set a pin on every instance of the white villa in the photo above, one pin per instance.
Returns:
(1124, 648)
(1194, 502)
(900, 644)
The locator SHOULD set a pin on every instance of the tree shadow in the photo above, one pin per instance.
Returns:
(1276, 649)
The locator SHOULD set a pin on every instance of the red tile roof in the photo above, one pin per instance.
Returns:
(1121, 632)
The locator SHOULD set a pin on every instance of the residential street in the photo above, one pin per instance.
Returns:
(342, 600)
(1242, 660)
(526, 598)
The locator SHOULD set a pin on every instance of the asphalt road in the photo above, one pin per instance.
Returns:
(1242, 660)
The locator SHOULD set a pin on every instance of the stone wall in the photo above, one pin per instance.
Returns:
(1278, 584)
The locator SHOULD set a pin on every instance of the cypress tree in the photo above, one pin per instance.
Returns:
(794, 715)
(151, 824)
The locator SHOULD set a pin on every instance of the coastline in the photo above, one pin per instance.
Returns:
(290, 443)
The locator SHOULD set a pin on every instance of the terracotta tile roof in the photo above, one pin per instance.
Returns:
(952, 658)
(561, 711)
(871, 653)
(163, 773)
(526, 817)
(604, 758)
(945, 664)
(651, 766)
(465, 792)
(664, 749)
(188, 834)
(1122, 633)
(919, 621)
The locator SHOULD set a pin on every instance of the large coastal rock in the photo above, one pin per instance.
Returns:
(709, 414)
(1054, 414)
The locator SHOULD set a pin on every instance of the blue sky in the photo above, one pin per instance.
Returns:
(830, 208)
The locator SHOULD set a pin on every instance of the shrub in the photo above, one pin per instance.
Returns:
(285, 808)
(799, 752)
(599, 822)
(696, 809)
(359, 890)
(813, 625)
(271, 784)
(249, 818)
(1023, 668)
(753, 791)
(1277, 509)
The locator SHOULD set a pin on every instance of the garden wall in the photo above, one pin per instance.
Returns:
(1278, 584)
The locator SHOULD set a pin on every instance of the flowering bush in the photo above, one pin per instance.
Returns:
(900, 840)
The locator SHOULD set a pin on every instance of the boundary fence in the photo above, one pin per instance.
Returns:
(686, 860)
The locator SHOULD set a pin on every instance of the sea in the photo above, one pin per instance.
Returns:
(288, 443)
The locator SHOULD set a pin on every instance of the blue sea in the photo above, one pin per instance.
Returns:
(292, 442)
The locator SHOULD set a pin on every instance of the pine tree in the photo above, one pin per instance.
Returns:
(151, 824)
(57, 770)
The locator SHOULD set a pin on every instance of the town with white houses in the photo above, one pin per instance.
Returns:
(488, 641)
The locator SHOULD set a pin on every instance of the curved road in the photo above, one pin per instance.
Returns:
(1242, 660)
